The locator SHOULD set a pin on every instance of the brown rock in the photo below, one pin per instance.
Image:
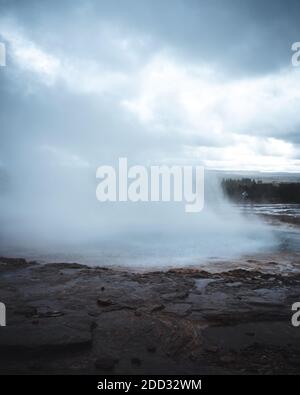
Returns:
(104, 302)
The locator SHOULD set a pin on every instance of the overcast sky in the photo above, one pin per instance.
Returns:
(208, 82)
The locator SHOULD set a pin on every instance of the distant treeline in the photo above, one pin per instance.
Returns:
(260, 192)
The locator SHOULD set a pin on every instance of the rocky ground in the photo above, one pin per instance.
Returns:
(70, 318)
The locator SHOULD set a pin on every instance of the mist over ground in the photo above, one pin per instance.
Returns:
(57, 216)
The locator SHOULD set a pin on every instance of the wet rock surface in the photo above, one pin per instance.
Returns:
(70, 318)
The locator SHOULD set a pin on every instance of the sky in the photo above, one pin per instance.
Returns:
(207, 82)
(159, 82)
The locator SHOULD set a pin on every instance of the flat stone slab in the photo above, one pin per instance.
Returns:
(184, 321)
(180, 309)
(47, 333)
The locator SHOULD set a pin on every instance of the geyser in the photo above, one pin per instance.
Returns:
(57, 217)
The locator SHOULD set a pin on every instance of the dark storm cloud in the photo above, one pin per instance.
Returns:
(242, 36)
(90, 87)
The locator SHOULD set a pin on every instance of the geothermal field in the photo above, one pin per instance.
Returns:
(149, 193)
(150, 313)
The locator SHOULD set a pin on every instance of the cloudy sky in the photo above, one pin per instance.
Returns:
(202, 81)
